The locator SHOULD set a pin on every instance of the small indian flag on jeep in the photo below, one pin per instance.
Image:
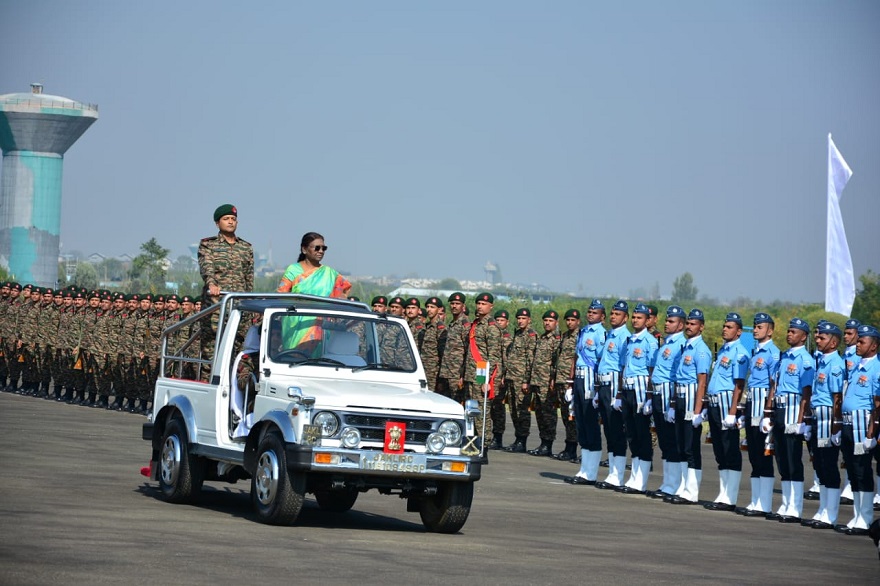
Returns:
(482, 372)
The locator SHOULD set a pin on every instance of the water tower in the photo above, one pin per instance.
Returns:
(36, 130)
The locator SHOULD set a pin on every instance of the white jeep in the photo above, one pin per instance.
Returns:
(322, 396)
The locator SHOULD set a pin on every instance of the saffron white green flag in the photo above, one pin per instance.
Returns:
(840, 286)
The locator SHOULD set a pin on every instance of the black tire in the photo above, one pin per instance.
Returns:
(336, 501)
(277, 495)
(448, 510)
(180, 474)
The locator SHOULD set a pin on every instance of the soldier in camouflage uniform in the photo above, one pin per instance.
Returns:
(88, 344)
(47, 332)
(543, 382)
(103, 353)
(28, 337)
(449, 379)
(483, 345)
(226, 263)
(116, 318)
(140, 353)
(415, 321)
(78, 353)
(63, 388)
(4, 310)
(517, 373)
(129, 352)
(565, 359)
(430, 350)
(499, 410)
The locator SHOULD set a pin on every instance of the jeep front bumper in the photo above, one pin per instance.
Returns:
(376, 463)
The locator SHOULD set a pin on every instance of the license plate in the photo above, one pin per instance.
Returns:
(311, 435)
(382, 462)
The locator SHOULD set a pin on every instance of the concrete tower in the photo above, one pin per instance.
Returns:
(35, 131)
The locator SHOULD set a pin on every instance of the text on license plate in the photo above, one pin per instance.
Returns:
(383, 462)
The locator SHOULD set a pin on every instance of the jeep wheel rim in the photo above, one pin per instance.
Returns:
(170, 464)
(267, 478)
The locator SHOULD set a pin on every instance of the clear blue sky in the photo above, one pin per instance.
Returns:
(591, 147)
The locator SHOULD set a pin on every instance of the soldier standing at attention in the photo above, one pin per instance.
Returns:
(585, 397)
(850, 359)
(762, 376)
(825, 399)
(608, 373)
(499, 411)
(690, 389)
(520, 355)
(542, 382)
(790, 397)
(483, 360)
(226, 263)
(564, 366)
(724, 392)
(415, 321)
(430, 350)
(452, 365)
(860, 417)
(639, 358)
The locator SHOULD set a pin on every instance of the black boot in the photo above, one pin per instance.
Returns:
(89, 400)
(545, 449)
(132, 406)
(517, 447)
(61, 393)
(101, 403)
(75, 398)
(116, 405)
(496, 442)
(569, 454)
(142, 407)
(42, 391)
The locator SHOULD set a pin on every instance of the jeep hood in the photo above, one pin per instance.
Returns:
(377, 395)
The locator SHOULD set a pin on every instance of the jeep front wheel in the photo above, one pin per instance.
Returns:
(180, 474)
(276, 494)
(447, 511)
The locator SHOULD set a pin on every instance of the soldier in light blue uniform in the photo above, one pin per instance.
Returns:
(608, 373)
(691, 379)
(638, 360)
(762, 376)
(591, 340)
(662, 395)
(850, 337)
(859, 415)
(824, 400)
(790, 397)
(724, 391)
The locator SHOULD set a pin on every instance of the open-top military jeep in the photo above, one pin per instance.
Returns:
(308, 395)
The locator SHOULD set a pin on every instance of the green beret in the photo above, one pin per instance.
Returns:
(226, 209)
(413, 301)
(550, 314)
(487, 297)
(379, 300)
(434, 301)
(457, 297)
(523, 312)
(573, 313)
(502, 313)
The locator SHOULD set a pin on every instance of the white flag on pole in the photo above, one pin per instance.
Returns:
(840, 285)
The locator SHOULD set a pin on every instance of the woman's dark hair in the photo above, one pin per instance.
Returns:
(307, 239)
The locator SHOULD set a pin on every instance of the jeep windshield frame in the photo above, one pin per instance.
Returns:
(304, 337)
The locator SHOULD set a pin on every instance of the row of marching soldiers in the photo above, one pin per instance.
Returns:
(628, 383)
(84, 347)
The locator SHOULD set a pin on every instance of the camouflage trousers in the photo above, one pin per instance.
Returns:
(208, 340)
(544, 404)
(499, 408)
(520, 402)
(567, 416)
(475, 391)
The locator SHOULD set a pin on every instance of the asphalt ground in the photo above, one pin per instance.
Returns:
(74, 509)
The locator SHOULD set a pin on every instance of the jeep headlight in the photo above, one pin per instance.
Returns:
(351, 437)
(328, 422)
(451, 431)
(436, 443)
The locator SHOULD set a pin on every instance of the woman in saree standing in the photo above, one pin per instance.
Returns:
(307, 275)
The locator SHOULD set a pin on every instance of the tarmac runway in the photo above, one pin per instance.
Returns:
(74, 509)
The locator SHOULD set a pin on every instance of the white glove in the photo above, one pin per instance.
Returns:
(802, 428)
(647, 408)
(699, 418)
(740, 422)
(670, 415)
(835, 439)
(808, 433)
(569, 395)
(766, 426)
(729, 421)
(870, 443)
(617, 405)
(595, 401)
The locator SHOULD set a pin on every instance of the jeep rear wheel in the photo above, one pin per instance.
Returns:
(277, 495)
(180, 474)
(336, 501)
(448, 510)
